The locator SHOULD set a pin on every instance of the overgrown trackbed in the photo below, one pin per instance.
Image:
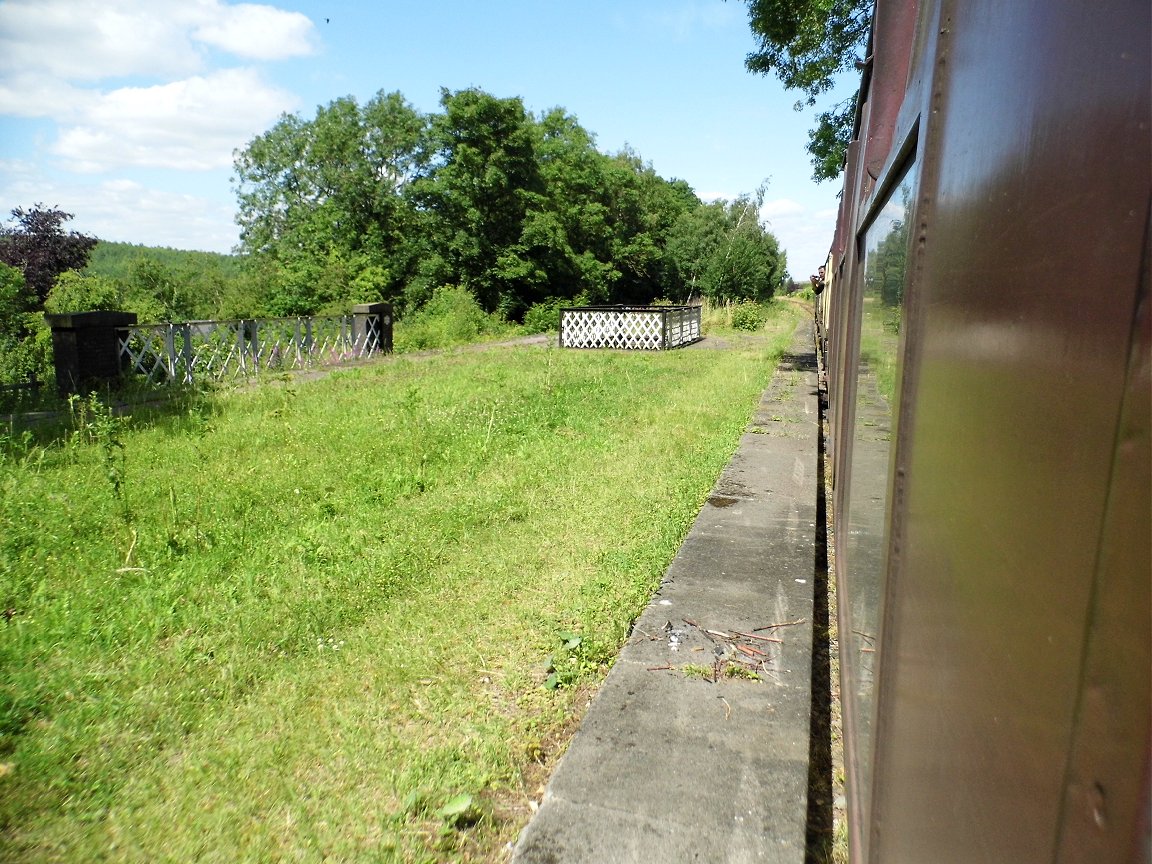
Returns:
(314, 620)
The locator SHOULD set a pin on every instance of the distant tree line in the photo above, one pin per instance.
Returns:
(380, 202)
(161, 284)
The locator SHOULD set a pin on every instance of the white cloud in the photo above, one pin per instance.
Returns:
(55, 53)
(31, 95)
(193, 124)
(130, 212)
(256, 31)
(92, 40)
(780, 207)
(16, 170)
(89, 40)
(805, 233)
(139, 84)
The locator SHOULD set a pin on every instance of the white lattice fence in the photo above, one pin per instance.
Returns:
(682, 325)
(650, 328)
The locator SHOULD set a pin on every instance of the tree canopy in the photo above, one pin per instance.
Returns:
(34, 250)
(321, 205)
(374, 202)
(721, 251)
(24, 341)
(36, 243)
(806, 44)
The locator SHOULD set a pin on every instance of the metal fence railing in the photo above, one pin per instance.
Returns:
(20, 395)
(652, 328)
(195, 351)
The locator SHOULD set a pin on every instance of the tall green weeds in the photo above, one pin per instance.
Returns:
(93, 424)
(745, 315)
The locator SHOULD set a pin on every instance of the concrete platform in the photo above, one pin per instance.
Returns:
(668, 765)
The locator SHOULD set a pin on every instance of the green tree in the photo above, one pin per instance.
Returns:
(77, 292)
(722, 251)
(38, 245)
(523, 211)
(693, 242)
(156, 293)
(644, 209)
(482, 178)
(34, 251)
(887, 266)
(575, 178)
(207, 284)
(806, 44)
(749, 266)
(517, 210)
(14, 303)
(321, 202)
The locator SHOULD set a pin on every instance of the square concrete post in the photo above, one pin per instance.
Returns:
(85, 349)
(363, 323)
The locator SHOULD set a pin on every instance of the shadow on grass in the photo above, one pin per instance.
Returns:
(52, 419)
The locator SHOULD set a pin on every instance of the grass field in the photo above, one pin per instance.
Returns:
(322, 620)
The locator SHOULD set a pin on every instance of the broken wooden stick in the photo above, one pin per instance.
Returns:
(781, 624)
(758, 638)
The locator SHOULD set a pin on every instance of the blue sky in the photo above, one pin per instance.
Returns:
(126, 112)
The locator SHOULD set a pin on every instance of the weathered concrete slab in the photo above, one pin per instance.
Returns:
(668, 766)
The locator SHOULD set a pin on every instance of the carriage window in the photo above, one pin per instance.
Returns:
(885, 253)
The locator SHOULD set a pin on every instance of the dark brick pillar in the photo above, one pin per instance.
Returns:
(85, 348)
(361, 316)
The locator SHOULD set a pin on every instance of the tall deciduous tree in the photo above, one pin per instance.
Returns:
(518, 210)
(722, 251)
(575, 240)
(483, 179)
(37, 244)
(806, 44)
(321, 203)
(610, 218)
(645, 206)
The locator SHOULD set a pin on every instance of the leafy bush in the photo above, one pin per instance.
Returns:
(451, 317)
(748, 316)
(76, 292)
(25, 340)
(23, 360)
(544, 317)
